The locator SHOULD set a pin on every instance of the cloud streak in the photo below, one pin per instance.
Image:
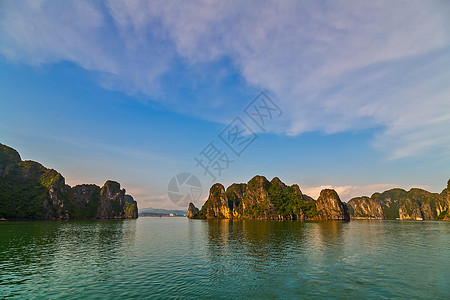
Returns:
(334, 66)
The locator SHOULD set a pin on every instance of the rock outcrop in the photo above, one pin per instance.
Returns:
(446, 194)
(86, 201)
(192, 211)
(217, 206)
(9, 158)
(28, 190)
(235, 195)
(415, 204)
(112, 201)
(130, 208)
(274, 200)
(365, 208)
(330, 207)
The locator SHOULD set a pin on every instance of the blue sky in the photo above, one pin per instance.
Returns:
(134, 90)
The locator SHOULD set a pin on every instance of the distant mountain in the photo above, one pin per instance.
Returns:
(150, 211)
(273, 200)
(30, 191)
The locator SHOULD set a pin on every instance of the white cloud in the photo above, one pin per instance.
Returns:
(333, 66)
(40, 32)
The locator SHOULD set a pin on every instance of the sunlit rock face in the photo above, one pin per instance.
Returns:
(192, 211)
(274, 200)
(217, 204)
(365, 208)
(330, 207)
(268, 200)
(415, 204)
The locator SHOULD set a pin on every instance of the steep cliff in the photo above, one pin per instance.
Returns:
(256, 202)
(217, 205)
(192, 211)
(445, 210)
(130, 207)
(415, 204)
(86, 201)
(330, 207)
(261, 199)
(235, 195)
(365, 208)
(28, 190)
(274, 200)
(9, 158)
(112, 201)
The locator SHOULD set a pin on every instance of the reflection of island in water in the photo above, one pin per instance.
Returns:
(203, 259)
(297, 255)
(262, 237)
(272, 247)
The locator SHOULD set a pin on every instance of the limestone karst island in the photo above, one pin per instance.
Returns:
(29, 191)
(211, 149)
(273, 200)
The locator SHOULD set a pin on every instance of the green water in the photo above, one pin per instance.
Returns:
(181, 258)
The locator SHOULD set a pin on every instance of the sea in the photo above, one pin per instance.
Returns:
(178, 258)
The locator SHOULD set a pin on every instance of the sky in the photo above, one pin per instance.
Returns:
(350, 95)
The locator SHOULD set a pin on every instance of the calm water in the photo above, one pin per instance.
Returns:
(181, 258)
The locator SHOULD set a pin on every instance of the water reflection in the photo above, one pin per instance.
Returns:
(272, 248)
(181, 258)
(37, 256)
(272, 239)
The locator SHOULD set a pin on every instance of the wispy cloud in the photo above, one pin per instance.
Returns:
(334, 66)
(124, 57)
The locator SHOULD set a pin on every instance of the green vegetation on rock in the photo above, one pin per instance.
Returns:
(273, 200)
(261, 199)
(30, 191)
(415, 204)
(287, 202)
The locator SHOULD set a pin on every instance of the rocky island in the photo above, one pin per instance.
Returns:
(269, 200)
(415, 204)
(29, 191)
(273, 200)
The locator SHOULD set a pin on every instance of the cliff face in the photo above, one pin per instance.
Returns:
(192, 211)
(235, 195)
(86, 201)
(217, 206)
(112, 201)
(446, 192)
(261, 199)
(55, 208)
(365, 208)
(330, 207)
(9, 158)
(415, 204)
(256, 202)
(130, 207)
(28, 190)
